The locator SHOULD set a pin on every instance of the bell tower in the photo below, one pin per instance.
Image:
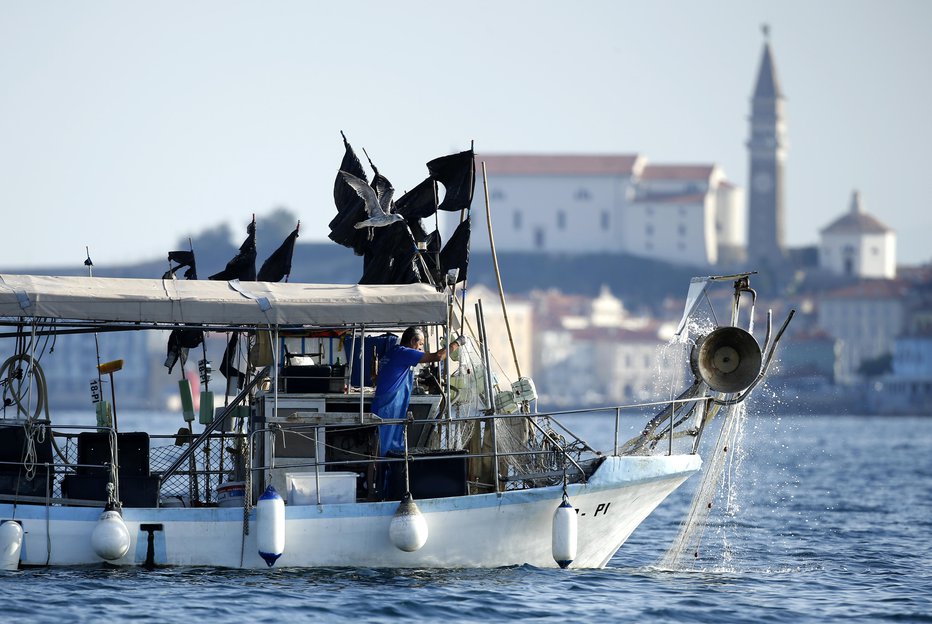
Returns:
(767, 152)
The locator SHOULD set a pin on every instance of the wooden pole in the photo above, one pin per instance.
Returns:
(498, 275)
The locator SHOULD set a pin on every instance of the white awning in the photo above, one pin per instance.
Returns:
(218, 303)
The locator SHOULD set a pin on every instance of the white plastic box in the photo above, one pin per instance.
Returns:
(335, 487)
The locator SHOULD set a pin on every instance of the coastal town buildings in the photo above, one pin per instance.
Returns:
(608, 355)
(857, 244)
(866, 318)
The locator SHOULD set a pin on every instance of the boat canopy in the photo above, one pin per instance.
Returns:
(108, 299)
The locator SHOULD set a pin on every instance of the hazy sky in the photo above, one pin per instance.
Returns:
(126, 125)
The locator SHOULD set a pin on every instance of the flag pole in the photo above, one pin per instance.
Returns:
(498, 275)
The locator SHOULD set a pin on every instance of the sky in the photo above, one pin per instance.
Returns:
(126, 126)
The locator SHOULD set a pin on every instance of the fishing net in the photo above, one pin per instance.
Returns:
(522, 448)
(715, 492)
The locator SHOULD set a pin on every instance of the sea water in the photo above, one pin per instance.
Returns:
(828, 518)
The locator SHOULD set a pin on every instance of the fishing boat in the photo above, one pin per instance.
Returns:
(286, 470)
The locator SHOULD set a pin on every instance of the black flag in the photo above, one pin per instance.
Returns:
(180, 340)
(350, 207)
(183, 259)
(420, 202)
(278, 265)
(392, 257)
(243, 264)
(227, 364)
(457, 173)
(455, 254)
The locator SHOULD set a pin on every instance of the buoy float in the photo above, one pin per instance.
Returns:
(11, 544)
(408, 528)
(564, 535)
(270, 526)
(110, 538)
(187, 399)
(206, 410)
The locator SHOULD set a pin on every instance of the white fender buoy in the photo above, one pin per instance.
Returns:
(11, 544)
(110, 538)
(564, 534)
(408, 529)
(270, 525)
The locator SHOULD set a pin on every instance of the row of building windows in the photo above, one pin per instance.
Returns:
(581, 194)
(517, 220)
(681, 210)
(680, 229)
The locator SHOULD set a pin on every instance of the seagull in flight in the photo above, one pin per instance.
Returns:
(379, 215)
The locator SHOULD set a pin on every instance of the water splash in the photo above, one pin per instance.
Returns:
(718, 491)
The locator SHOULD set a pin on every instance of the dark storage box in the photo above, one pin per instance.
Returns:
(433, 474)
(12, 474)
(94, 450)
(304, 379)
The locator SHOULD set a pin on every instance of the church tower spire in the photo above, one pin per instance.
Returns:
(767, 152)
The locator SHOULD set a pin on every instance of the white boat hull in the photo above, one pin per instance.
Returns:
(487, 530)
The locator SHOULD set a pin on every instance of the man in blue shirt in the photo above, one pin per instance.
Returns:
(394, 384)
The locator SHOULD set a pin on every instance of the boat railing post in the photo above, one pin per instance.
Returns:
(617, 418)
(362, 372)
(316, 462)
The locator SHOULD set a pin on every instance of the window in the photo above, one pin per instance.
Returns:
(582, 194)
(516, 219)
(649, 229)
(498, 194)
(561, 220)
(603, 220)
(681, 229)
(539, 238)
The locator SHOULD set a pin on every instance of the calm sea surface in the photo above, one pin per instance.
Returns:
(830, 519)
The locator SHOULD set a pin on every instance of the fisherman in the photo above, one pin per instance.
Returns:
(394, 384)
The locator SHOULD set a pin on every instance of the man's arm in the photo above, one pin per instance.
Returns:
(437, 355)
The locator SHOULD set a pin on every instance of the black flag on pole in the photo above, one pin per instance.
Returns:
(180, 340)
(182, 259)
(228, 364)
(457, 173)
(278, 265)
(351, 209)
(455, 254)
(243, 268)
(243, 265)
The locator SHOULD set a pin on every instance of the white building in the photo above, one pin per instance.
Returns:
(858, 245)
(866, 319)
(683, 214)
(610, 204)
